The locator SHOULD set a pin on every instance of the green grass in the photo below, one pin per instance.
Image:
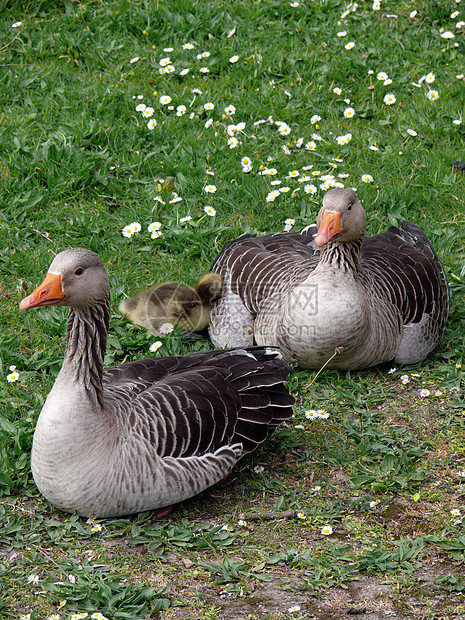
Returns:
(78, 163)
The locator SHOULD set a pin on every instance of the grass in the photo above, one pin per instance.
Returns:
(78, 164)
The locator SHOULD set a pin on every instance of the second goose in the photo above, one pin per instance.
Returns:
(373, 299)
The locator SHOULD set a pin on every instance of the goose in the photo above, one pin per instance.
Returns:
(174, 303)
(331, 296)
(150, 433)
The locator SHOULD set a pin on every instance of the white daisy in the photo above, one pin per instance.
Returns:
(166, 328)
(209, 211)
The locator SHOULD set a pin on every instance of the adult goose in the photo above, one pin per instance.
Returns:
(150, 433)
(174, 303)
(372, 299)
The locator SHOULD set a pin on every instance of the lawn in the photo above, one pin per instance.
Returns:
(153, 133)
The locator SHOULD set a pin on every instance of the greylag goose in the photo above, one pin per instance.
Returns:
(150, 433)
(174, 303)
(373, 299)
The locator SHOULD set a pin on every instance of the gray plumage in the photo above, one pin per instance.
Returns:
(374, 299)
(150, 433)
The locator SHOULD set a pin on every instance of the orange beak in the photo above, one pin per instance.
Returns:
(48, 293)
(330, 227)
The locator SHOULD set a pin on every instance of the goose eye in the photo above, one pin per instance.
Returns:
(349, 207)
(78, 271)
(193, 304)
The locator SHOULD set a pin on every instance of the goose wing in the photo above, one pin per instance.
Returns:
(402, 267)
(257, 267)
(197, 404)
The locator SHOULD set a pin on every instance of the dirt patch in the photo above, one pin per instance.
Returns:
(366, 598)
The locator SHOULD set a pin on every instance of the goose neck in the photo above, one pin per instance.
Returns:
(344, 256)
(85, 346)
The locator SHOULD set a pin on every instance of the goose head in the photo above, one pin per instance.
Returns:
(341, 217)
(76, 278)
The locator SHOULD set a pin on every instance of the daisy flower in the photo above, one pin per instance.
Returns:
(203, 55)
(293, 609)
(209, 106)
(204, 70)
(448, 35)
(432, 95)
(349, 112)
(412, 132)
(310, 146)
(258, 469)
(310, 189)
(234, 59)
(152, 124)
(301, 515)
(382, 76)
(127, 231)
(315, 119)
(373, 504)
(16, 24)
(405, 379)
(342, 140)
(376, 5)
(187, 218)
(246, 161)
(13, 376)
(165, 99)
(233, 142)
(166, 328)
(424, 393)
(289, 222)
(316, 488)
(389, 99)
(154, 226)
(184, 71)
(208, 123)
(155, 234)
(367, 178)
(337, 90)
(164, 62)
(326, 530)
(311, 414)
(342, 33)
(181, 110)
(140, 107)
(148, 112)
(187, 46)
(54, 617)
(96, 528)
(429, 78)
(284, 129)
(34, 579)
(349, 45)
(209, 211)
(209, 189)
(230, 110)
(293, 173)
(455, 512)
(271, 197)
(242, 523)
